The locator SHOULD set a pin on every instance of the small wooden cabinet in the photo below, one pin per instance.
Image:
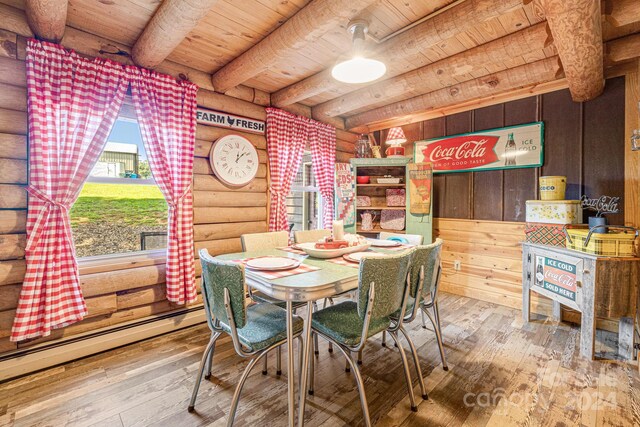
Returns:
(593, 285)
(377, 168)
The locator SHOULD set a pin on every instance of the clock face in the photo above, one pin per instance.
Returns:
(234, 160)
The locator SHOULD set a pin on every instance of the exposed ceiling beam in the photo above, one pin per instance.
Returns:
(622, 12)
(458, 19)
(576, 27)
(171, 23)
(306, 26)
(529, 74)
(47, 18)
(446, 72)
(622, 49)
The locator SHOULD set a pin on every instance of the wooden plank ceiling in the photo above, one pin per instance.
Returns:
(464, 49)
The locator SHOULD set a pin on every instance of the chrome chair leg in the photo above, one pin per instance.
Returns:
(278, 360)
(264, 366)
(438, 339)
(416, 362)
(360, 384)
(347, 364)
(424, 323)
(316, 347)
(407, 374)
(384, 338)
(360, 357)
(243, 379)
(203, 363)
(312, 374)
(207, 371)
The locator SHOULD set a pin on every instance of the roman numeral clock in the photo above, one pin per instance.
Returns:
(234, 160)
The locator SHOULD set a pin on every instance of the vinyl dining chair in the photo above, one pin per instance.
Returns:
(254, 330)
(263, 241)
(382, 290)
(412, 239)
(425, 278)
(306, 236)
(260, 241)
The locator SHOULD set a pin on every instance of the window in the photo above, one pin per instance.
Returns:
(120, 208)
(303, 202)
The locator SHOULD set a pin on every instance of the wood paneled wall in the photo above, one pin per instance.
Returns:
(583, 141)
(119, 292)
(480, 215)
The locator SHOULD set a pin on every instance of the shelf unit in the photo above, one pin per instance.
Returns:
(395, 167)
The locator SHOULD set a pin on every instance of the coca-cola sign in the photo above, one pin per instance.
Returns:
(556, 276)
(505, 148)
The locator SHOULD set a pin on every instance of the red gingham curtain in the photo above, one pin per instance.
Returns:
(287, 135)
(73, 103)
(166, 112)
(322, 141)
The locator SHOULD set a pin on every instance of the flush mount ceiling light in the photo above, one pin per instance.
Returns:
(358, 69)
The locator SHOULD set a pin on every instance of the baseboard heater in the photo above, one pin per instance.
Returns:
(21, 362)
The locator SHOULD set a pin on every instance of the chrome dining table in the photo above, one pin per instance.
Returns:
(328, 280)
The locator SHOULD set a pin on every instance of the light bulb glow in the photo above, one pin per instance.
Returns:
(358, 70)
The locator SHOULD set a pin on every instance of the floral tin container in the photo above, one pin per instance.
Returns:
(554, 211)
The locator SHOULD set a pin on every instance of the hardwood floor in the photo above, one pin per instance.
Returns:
(501, 373)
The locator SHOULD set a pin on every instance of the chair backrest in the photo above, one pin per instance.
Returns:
(413, 239)
(389, 274)
(270, 240)
(304, 236)
(218, 275)
(427, 257)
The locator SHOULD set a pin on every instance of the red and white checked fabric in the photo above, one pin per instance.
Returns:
(73, 103)
(302, 268)
(166, 112)
(287, 136)
(322, 141)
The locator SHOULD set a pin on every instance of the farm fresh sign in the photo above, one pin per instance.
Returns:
(505, 148)
(556, 276)
(216, 118)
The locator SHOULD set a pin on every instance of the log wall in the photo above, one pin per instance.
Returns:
(119, 291)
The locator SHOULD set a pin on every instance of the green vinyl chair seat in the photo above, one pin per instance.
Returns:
(265, 325)
(342, 323)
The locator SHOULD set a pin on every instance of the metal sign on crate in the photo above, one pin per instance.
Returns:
(504, 148)
(556, 276)
(224, 120)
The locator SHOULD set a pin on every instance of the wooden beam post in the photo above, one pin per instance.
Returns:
(306, 26)
(577, 33)
(535, 73)
(47, 18)
(444, 73)
(171, 23)
(463, 17)
(632, 158)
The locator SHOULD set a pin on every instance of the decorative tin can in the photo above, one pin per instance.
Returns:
(552, 187)
(554, 211)
(545, 234)
(396, 197)
(392, 220)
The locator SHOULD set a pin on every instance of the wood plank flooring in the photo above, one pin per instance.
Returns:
(502, 373)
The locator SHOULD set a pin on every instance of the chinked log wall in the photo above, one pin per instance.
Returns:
(136, 290)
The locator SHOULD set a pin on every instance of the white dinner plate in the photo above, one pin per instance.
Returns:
(378, 243)
(310, 249)
(356, 257)
(272, 263)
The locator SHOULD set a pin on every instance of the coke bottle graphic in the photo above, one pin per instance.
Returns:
(539, 274)
(510, 151)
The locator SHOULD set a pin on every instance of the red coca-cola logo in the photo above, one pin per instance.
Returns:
(462, 152)
(563, 279)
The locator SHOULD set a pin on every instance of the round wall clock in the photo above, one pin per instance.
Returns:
(234, 160)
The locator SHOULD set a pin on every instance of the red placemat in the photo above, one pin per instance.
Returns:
(293, 250)
(302, 268)
(342, 261)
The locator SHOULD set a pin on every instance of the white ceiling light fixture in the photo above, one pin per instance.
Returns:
(358, 69)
